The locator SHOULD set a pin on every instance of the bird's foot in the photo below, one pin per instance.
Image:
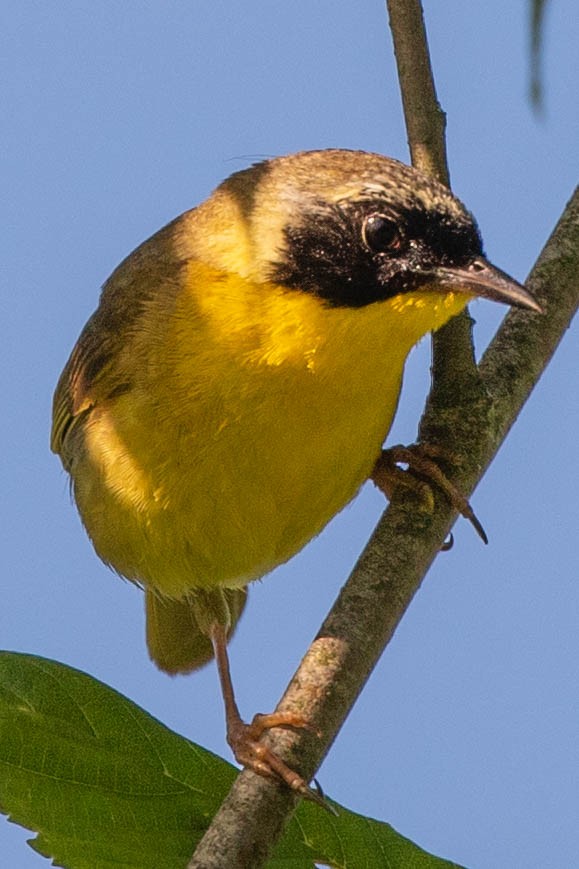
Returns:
(244, 740)
(422, 471)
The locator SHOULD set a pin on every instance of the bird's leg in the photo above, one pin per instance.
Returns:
(423, 470)
(244, 738)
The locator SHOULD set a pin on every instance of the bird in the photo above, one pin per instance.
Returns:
(234, 388)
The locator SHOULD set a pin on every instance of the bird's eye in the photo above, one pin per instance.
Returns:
(381, 234)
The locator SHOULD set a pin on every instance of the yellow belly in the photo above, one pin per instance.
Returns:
(245, 433)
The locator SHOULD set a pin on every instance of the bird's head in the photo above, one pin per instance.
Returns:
(354, 228)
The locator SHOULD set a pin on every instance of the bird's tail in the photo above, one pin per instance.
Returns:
(177, 629)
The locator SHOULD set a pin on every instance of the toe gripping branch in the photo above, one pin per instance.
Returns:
(422, 473)
(250, 752)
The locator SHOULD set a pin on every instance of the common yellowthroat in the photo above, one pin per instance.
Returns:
(234, 387)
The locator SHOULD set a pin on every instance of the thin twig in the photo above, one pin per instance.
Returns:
(423, 115)
(393, 565)
(453, 359)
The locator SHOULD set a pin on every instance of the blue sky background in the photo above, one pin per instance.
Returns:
(117, 117)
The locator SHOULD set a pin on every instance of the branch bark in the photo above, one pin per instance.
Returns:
(397, 557)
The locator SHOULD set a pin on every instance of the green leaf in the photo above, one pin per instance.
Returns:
(103, 784)
(349, 841)
(101, 781)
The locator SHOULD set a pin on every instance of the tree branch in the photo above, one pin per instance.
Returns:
(392, 566)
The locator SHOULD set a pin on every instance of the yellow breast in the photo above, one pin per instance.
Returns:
(254, 415)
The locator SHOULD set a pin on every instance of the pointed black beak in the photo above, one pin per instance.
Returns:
(481, 278)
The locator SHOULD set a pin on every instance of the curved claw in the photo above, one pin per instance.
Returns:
(448, 543)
